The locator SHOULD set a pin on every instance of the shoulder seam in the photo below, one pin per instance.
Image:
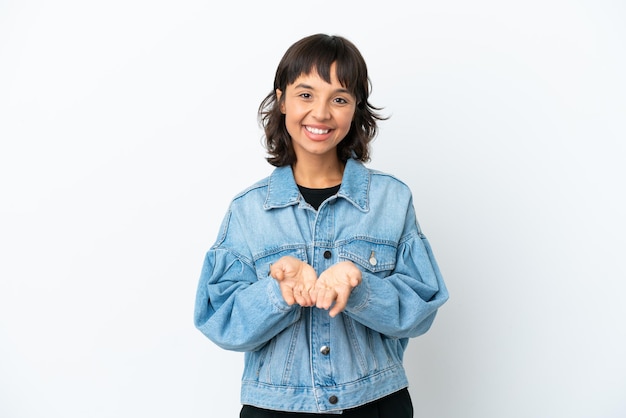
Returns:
(258, 185)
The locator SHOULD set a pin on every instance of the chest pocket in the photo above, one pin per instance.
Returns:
(264, 260)
(371, 256)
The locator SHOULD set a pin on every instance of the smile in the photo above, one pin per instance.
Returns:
(317, 131)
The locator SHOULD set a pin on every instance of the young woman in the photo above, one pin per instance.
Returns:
(320, 272)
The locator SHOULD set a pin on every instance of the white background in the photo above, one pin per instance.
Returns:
(127, 126)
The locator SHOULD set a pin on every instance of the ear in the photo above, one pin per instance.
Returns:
(279, 94)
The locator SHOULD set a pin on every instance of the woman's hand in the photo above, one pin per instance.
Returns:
(334, 286)
(296, 279)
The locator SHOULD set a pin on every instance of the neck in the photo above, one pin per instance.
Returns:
(318, 174)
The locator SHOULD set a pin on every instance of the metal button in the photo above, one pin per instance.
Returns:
(325, 350)
(333, 399)
(327, 254)
(373, 260)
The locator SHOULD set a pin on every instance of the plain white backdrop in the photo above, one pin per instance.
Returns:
(127, 126)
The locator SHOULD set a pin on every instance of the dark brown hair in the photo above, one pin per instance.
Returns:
(317, 53)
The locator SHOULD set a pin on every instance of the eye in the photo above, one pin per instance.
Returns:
(341, 100)
(305, 95)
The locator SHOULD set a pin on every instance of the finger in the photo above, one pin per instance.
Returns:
(313, 294)
(335, 311)
(340, 304)
(325, 298)
(302, 297)
(355, 281)
(276, 272)
(288, 295)
(319, 297)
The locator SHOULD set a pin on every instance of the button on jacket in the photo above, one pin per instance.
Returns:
(301, 359)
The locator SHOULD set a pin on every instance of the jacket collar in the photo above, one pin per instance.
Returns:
(282, 189)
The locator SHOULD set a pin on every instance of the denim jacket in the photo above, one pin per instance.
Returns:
(299, 358)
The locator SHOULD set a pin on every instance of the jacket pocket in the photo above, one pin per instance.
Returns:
(265, 259)
(371, 255)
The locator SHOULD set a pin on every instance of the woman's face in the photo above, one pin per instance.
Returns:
(317, 114)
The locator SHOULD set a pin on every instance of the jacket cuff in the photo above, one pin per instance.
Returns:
(275, 296)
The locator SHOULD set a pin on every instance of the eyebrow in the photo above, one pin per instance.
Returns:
(306, 86)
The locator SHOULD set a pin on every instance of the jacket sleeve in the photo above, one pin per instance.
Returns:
(404, 303)
(234, 308)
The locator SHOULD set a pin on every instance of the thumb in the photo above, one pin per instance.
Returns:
(354, 281)
(277, 271)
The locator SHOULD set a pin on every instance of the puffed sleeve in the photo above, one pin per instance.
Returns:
(404, 303)
(234, 308)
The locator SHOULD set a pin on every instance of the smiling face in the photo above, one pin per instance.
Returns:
(318, 115)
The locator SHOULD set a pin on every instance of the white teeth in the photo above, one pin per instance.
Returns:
(317, 131)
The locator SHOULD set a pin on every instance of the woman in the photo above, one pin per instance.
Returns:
(320, 272)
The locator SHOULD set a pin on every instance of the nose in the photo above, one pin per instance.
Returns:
(321, 110)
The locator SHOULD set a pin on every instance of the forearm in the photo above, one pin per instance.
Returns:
(396, 306)
(236, 310)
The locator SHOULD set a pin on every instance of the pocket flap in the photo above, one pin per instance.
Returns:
(373, 256)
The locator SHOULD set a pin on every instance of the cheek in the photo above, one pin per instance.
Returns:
(292, 124)
(347, 120)
(290, 118)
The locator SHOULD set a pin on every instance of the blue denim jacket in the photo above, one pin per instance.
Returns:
(301, 359)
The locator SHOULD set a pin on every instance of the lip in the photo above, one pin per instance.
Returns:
(317, 136)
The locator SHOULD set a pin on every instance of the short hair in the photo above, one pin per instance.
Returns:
(317, 53)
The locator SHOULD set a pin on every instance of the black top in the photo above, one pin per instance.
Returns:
(315, 197)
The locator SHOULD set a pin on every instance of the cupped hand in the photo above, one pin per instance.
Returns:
(334, 286)
(295, 279)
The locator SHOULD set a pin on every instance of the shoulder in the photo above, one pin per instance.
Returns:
(243, 207)
(249, 199)
(257, 189)
(388, 180)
